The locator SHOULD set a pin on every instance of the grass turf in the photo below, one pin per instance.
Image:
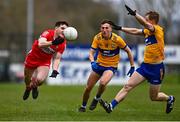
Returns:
(61, 103)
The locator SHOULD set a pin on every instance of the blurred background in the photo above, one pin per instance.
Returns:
(22, 21)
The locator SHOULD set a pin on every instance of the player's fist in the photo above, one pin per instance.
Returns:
(54, 74)
(58, 40)
(114, 26)
(130, 72)
(117, 27)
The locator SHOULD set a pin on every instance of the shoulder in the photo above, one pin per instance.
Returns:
(116, 37)
(98, 36)
(158, 28)
(47, 32)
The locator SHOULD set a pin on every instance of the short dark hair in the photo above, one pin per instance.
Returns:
(106, 21)
(58, 23)
(153, 16)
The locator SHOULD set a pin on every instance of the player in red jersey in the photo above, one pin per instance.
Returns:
(50, 46)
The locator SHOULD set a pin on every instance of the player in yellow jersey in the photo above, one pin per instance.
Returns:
(108, 45)
(152, 69)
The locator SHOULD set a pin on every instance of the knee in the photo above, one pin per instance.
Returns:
(40, 80)
(102, 84)
(127, 87)
(40, 83)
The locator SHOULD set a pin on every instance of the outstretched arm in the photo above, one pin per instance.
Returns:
(133, 31)
(143, 22)
(140, 18)
(44, 43)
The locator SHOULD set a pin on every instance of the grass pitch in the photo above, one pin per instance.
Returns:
(61, 103)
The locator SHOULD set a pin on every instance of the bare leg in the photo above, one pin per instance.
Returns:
(93, 78)
(105, 78)
(156, 95)
(134, 80)
(39, 75)
(27, 76)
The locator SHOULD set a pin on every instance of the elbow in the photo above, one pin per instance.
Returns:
(40, 45)
(136, 32)
(133, 32)
(90, 57)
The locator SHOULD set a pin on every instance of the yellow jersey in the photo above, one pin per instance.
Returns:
(108, 50)
(154, 50)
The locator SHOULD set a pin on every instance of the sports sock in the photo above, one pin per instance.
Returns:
(170, 98)
(84, 104)
(114, 103)
(97, 97)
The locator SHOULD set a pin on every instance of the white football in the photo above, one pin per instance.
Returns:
(70, 33)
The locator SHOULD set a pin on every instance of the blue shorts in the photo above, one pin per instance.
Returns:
(101, 69)
(154, 73)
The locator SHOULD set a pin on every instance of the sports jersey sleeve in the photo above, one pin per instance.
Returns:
(121, 43)
(147, 32)
(94, 44)
(46, 34)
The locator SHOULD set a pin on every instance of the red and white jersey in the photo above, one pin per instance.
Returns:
(42, 56)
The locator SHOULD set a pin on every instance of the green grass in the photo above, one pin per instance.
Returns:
(61, 103)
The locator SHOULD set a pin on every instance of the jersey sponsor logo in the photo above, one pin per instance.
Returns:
(109, 52)
(150, 40)
(48, 50)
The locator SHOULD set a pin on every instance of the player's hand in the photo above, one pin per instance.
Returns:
(54, 74)
(130, 72)
(130, 11)
(58, 40)
(114, 26)
(94, 65)
(117, 27)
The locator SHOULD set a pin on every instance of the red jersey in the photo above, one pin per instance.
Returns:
(42, 56)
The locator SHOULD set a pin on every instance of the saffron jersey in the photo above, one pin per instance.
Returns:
(154, 50)
(42, 56)
(108, 50)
